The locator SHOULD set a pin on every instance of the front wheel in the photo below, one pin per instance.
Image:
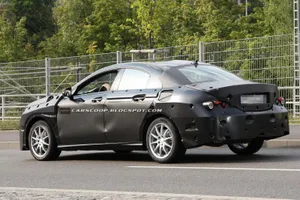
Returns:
(247, 148)
(163, 141)
(42, 143)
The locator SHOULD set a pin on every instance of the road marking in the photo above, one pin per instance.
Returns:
(216, 168)
(15, 190)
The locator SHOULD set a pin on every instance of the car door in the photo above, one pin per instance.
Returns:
(127, 107)
(80, 118)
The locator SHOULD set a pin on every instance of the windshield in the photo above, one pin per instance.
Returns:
(206, 73)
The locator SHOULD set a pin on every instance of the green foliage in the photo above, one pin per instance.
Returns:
(14, 43)
(110, 26)
(71, 17)
(9, 125)
(277, 17)
(32, 28)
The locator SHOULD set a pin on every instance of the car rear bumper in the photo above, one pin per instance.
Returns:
(242, 127)
(267, 126)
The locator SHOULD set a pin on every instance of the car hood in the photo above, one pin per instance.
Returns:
(45, 100)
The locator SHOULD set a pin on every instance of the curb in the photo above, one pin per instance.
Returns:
(43, 193)
(278, 143)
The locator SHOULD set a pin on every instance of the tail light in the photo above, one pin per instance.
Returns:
(280, 101)
(211, 104)
(222, 104)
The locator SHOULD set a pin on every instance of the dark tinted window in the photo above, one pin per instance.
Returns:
(206, 73)
(133, 79)
(102, 82)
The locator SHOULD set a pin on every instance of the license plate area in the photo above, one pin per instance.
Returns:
(253, 99)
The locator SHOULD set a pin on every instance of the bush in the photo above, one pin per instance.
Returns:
(9, 125)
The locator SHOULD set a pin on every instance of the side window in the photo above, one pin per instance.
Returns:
(102, 82)
(133, 79)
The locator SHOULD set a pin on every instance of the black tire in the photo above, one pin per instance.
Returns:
(175, 152)
(122, 151)
(251, 147)
(51, 153)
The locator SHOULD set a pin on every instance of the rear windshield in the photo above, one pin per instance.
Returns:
(206, 73)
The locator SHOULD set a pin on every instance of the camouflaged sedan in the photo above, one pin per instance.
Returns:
(162, 107)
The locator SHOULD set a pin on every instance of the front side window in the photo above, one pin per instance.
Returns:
(133, 79)
(102, 82)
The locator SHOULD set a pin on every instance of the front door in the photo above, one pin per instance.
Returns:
(80, 119)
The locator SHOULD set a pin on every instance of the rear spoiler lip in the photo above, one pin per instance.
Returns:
(218, 85)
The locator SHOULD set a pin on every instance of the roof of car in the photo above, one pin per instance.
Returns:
(154, 67)
(164, 65)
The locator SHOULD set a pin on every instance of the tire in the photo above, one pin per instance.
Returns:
(122, 151)
(247, 148)
(42, 143)
(163, 141)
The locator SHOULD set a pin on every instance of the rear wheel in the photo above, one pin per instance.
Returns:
(41, 142)
(247, 148)
(163, 141)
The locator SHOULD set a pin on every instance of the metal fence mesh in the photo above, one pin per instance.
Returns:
(22, 77)
(264, 59)
(65, 72)
(184, 52)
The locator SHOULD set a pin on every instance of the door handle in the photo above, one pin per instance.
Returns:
(79, 100)
(97, 99)
(139, 97)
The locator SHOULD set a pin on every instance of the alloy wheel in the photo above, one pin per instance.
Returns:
(40, 141)
(161, 140)
(241, 145)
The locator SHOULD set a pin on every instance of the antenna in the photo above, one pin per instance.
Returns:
(196, 63)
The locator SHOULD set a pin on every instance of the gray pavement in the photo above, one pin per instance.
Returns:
(9, 135)
(272, 173)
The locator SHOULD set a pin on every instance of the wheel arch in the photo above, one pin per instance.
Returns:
(31, 122)
(146, 123)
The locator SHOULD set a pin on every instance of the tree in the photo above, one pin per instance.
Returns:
(14, 40)
(39, 23)
(277, 17)
(71, 17)
(155, 21)
(110, 26)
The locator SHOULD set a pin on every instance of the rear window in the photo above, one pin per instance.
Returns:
(206, 73)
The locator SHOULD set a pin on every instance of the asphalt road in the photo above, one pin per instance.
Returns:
(273, 173)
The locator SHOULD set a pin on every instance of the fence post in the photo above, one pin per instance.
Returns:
(119, 57)
(47, 75)
(3, 109)
(201, 52)
(154, 55)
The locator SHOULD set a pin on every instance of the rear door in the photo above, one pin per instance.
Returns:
(128, 106)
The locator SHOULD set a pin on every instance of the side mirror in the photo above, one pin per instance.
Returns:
(67, 92)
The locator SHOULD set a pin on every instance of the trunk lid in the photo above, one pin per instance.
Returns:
(244, 95)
